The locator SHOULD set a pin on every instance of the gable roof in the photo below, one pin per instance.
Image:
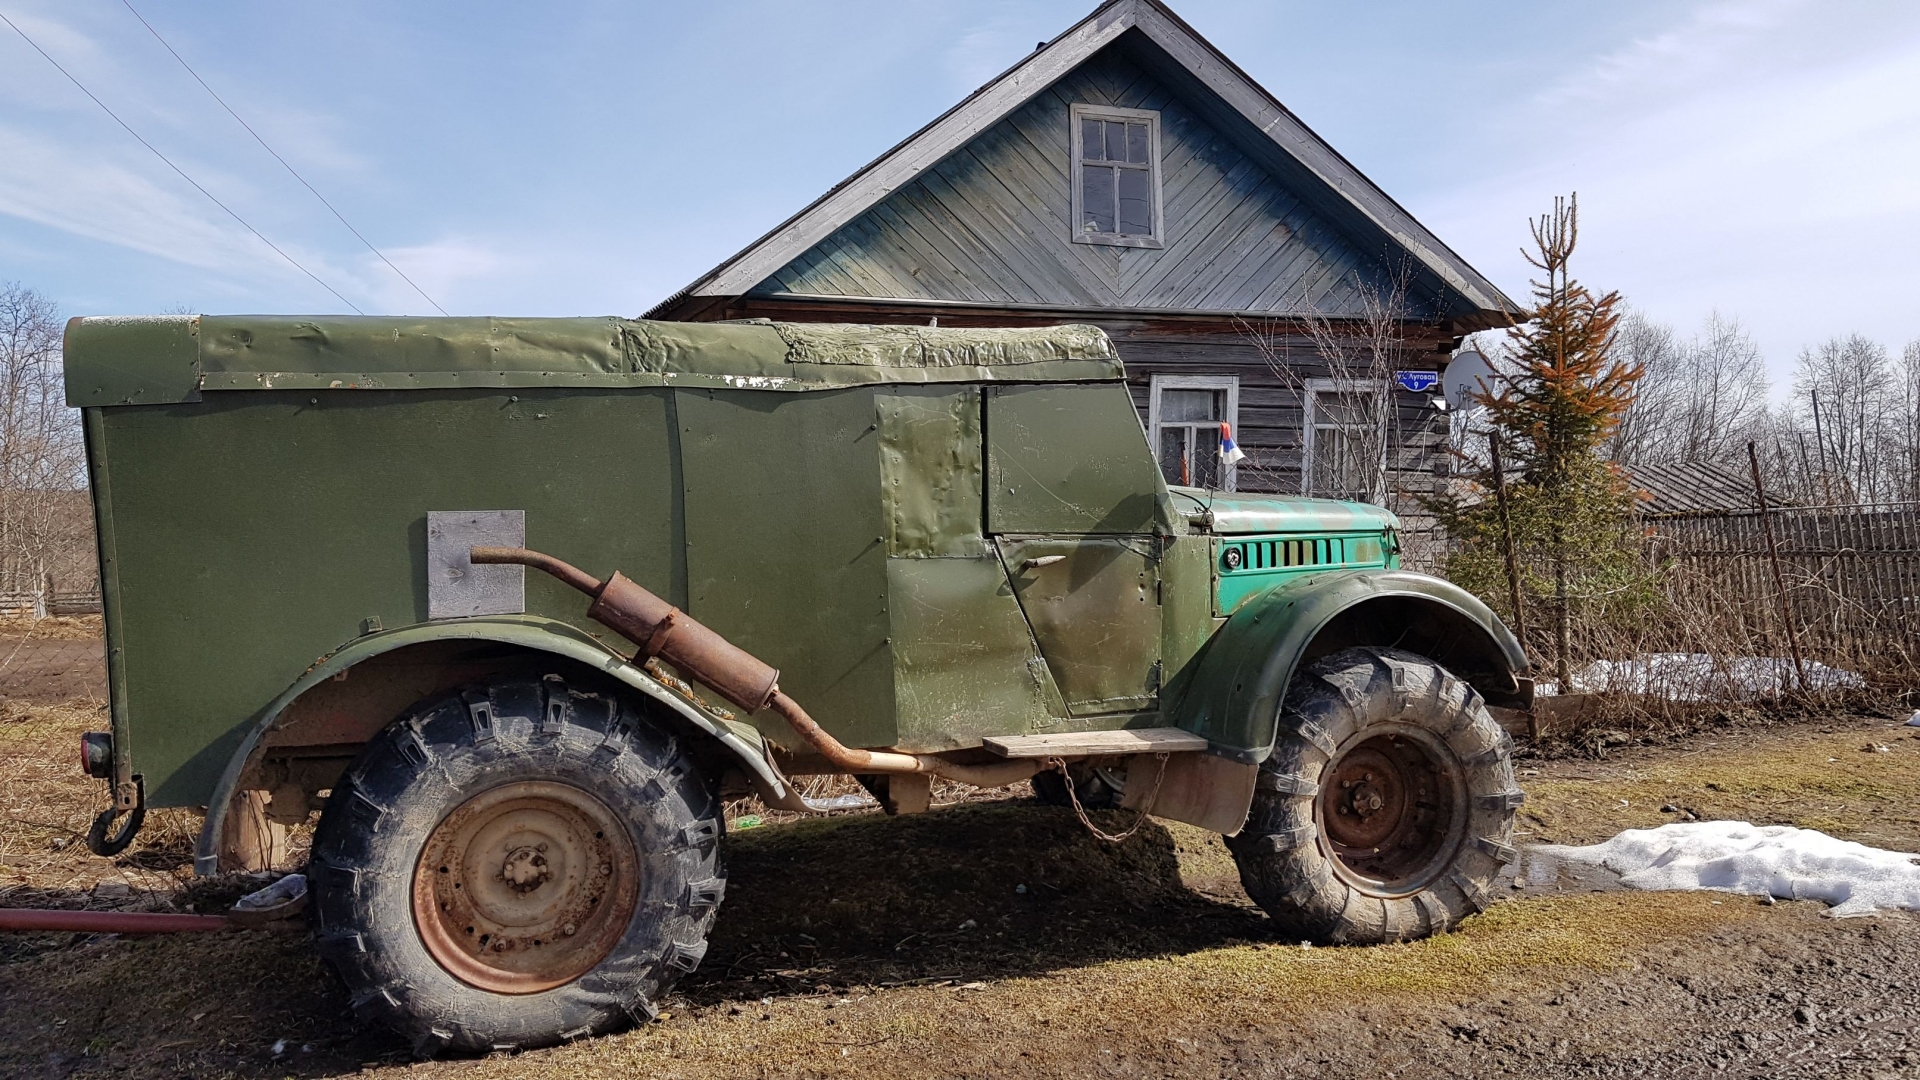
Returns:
(1189, 64)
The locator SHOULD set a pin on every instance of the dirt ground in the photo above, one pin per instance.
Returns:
(998, 939)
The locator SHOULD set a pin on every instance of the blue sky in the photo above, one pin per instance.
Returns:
(1759, 157)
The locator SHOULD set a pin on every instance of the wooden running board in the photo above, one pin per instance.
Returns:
(1160, 740)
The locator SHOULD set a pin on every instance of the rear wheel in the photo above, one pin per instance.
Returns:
(515, 865)
(1386, 809)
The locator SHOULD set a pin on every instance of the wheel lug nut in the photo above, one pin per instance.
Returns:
(542, 846)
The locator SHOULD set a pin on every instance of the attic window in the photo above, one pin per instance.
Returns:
(1116, 176)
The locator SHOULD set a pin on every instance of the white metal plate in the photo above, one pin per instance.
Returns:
(458, 589)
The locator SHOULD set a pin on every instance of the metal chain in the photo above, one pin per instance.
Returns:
(1074, 797)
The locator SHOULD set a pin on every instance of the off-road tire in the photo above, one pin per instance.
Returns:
(1093, 787)
(1367, 732)
(515, 735)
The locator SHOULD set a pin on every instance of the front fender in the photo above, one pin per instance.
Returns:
(526, 631)
(1239, 681)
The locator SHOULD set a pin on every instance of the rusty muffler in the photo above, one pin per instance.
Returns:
(659, 628)
(662, 630)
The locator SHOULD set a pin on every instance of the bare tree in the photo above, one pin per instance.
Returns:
(1845, 393)
(1350, 445)
(1700, 400)
(1904, 448)
(1645, 432)
(45, 524)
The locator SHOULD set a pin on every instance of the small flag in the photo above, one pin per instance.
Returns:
(1229, 453)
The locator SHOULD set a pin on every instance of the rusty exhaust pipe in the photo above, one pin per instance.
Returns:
(665, 631)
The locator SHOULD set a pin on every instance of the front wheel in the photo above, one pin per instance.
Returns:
(514, 865)
(1386, 809)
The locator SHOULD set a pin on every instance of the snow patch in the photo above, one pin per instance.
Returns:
(1758, 860)
(1700, 677)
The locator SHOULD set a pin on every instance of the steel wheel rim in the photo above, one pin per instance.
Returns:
(1392, 810)
(525, 887)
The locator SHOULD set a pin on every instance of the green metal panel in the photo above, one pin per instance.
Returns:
(1233, 696)
(965, 664)
(131, 361)
(1262, 562)
(164, 359)
(1070, 459)
(251, 533)
(1186, 607)
(1094, 605)
(787, 546)
(930, 470)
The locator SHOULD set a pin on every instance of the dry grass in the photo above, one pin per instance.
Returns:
(1832, 780)
(52, 627)
(1060, 1022)
(47, 803)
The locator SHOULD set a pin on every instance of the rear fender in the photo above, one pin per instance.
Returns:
(1240, 680)
(741, 742)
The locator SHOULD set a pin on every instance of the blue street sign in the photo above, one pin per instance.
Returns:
(1417, 381)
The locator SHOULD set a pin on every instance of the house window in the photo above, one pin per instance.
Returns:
(1116, 176)
(1186, 417)
(1344, 437)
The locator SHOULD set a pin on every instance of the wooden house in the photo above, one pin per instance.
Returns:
(1129, 175)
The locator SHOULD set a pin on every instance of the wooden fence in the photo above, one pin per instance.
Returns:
(1851, 576)
(42, 604)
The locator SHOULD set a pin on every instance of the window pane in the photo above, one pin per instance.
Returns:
(1137, 143)
(1136, 202)
(1182, 406)
(1092, 140)
(1173, 454)
(1116, 141)
(1206, 457)
(1345, 407)
(1096, 198)
(1340, 465)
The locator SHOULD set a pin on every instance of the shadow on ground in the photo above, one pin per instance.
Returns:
(982, 891)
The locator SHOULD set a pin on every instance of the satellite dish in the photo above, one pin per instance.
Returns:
(1468, 374)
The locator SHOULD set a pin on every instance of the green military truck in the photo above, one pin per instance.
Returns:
(517, 603)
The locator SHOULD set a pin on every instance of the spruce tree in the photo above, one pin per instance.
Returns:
(1557, 395)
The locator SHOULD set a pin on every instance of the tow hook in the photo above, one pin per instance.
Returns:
(99, 842)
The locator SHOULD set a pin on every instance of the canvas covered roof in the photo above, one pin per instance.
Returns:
(161, 359)
(1239, 108)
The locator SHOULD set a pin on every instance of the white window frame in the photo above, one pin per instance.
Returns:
(1310, 423)
(1077, 233)
(1229, 383)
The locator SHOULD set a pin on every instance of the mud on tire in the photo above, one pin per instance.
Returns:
(1386, 810)
(588, 799)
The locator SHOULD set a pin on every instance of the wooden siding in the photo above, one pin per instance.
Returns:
(1271, 416)
(990, 224)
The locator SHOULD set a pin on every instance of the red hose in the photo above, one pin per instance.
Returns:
(108, 922)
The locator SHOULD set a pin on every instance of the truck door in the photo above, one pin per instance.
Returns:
(1073, 497)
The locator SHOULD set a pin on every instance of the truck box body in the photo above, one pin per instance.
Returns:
(872, 510)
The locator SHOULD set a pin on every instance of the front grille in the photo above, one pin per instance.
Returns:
(1281, 554)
